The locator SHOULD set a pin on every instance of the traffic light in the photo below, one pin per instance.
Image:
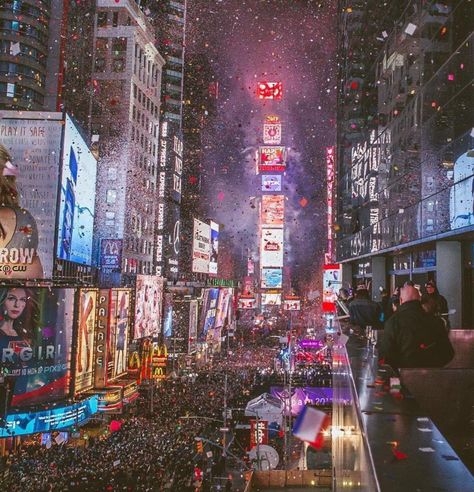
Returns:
(200, 447)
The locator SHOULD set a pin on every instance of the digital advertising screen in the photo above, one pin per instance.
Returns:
(34, 145)
(21, 424)
(461, 204)
(331, 284)
(272, 278)
(273, 211)
(247, 303)
(271, 299)
(271, 182)
(271, 248)
(148, 305)
(271, 158)
(77, 207)
(168, 315)
(214, 248)
(35, 342)
(270, 90)
(85, 340)
(292, 304)
(225, 297)
(211, 311)
(201, 247)
(272, 133)
(119, 328)
(111, 255)
(193, 323)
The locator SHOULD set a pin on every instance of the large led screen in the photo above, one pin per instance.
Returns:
(225, 296)
(85, 340)
(193, 324)
(292, 304)
(35, 342)
(76, 211)
(271, 182)
(270, 90)
(148, 305)
(272, 278)
(247, 303)
(211, 311)
(271, 299)
(271, 158)
(273, 210)
(461, 204)
(272, 133)
(21, 424)
(271, 248)
(119, 327)
(111, 255)
(30, 167)
(214, 248)
(201, 247)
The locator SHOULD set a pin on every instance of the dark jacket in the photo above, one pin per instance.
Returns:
(365, 312)
(413, 338)
(440, 302)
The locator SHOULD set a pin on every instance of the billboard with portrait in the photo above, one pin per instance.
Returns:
(148, 306)
(225, 296)
(31, 171)
(86, 322)
(168, 315)
(332, 282)
(214, 248)
(271, 182)
(77, 206)
(271, 248)
(271, 299)
(272, 278)
(21, 424)
(201, 247)
(271, 158)
(210, 313)
(119, 327)
(273, 210)
(193, 323)
(272, 133)
(111, 255)
(35, 342)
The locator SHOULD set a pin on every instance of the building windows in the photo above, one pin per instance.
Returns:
(99, 65)
(111, 196)
(112, 173)
(115, 17)
(109, 218)
(102, 19)
(10, 90)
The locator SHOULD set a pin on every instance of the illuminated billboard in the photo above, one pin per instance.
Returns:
(292, 304)
(119, 327)
(111, 255)
(193, 324)
(331, 284)
(271, 158)
(271, 182)
(271, 248)
(247, 303)
(273, 208)
(271, 299)
(272, 278)
(28, 213)
(214, 248)
(211, 311)
(270, 90)
(272, 133)
(201, 247)
(85, 340)
(35, 342)
(21, 424)
(76, 209)
(148, 304)
(225, 296)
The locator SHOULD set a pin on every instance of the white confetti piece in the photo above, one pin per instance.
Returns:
(427, 450)
(423, 419)
(424, 429)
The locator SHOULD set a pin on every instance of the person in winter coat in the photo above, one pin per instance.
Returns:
(363, 311)
(433, 298)
(413, 337)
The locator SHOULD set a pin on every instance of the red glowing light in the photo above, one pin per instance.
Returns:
(270, 90)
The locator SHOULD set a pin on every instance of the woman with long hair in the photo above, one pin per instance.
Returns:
(18, 315)
(18, 231)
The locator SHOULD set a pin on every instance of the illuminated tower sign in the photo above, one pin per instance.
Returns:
(270, 90)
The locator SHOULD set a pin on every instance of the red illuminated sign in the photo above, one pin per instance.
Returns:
(270, 90)
(330, 199)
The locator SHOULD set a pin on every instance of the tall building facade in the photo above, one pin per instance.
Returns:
(405, 141)
(125, 115)
(31, 42)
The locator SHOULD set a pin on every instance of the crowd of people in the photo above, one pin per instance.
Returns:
(149, 452)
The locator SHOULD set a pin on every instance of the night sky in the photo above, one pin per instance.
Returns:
(247, 41)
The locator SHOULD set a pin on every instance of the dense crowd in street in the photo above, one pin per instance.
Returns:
(156, 452)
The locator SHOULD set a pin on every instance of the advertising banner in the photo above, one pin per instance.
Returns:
(29, 213)
(270, 90)
(148, 306)
(225, 296)
(76, 210)
(271, 158)
(85, 340)
(272, 278)
(292, 304)
(204, 308)
(331, 284)
(193, 321)
(35, 343)
(110, 400)
(258, 432)
(214, 248)
(272, 133)
(168, 315)
(271, 182)
(172, 246)
(100, 349)
(248, 289)
(21, 424)
(271, 251)
(111, 255)
(247, 303)
(119, 327)
(211, 311)
(250, 266)
(271, 299)
(273, 208)
(201, 247)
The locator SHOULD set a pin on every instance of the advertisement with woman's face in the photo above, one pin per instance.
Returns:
(148, 306)
(118, 332)
(35, 342)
